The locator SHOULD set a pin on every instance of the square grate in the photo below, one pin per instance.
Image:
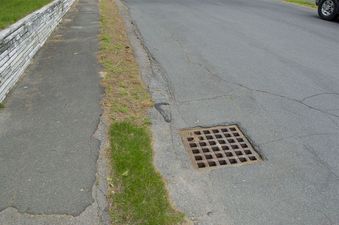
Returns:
(218, 146)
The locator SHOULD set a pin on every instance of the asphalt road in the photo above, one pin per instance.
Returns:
(268, 66)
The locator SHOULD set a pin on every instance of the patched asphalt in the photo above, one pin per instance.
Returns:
(48, 147)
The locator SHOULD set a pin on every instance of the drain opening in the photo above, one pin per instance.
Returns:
(218, 146)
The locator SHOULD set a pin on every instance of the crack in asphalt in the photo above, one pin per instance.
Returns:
(162, 72)
(302, 101)
(274, 94)
(319, 94)
(203, 99)
(321, 161)
(156, 67)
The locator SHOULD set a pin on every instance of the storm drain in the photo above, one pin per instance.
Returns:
(218, 146)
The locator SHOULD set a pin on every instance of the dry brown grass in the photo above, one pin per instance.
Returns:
(125, 95)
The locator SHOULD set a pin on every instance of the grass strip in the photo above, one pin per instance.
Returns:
(306, 3)
(142, 198)
(138, 194)
(13, 10)
(2, 105)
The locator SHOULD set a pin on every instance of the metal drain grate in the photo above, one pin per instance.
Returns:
(218, 146)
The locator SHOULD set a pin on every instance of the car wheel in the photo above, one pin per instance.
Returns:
(327, 9)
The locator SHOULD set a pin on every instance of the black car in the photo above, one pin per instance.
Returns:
(328, 9)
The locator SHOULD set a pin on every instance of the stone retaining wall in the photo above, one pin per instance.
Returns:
(20, 42)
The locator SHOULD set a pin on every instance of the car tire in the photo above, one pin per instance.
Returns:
(327, 9)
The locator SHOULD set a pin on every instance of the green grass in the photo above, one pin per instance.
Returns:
(308, 3)
(13, 10)
(140, 196)
(2, 105)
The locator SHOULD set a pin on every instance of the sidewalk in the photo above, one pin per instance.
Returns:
(48, 152)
